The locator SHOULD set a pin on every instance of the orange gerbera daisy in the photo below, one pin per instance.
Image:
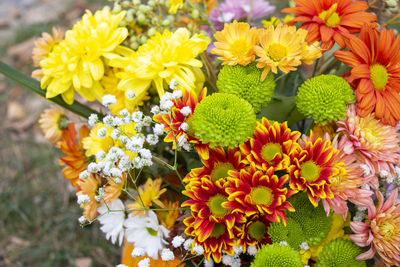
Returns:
(75, 159)
(272, 145)
(217, 165)
(375, 60)
(174, 119)
(235, 43)
(259, 192)
(330, 21)
(313, 167)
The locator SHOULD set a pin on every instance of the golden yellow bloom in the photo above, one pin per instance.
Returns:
(174, 6)
(235, 43)
(284, 47)
(274, 21)
(76, 63)
(93, 144)
(110, 84)
(168, 217)
(166, 56)
(148, 194)
(52, 122)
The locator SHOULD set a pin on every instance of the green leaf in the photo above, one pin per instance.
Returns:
(282, 108)
(34, 85)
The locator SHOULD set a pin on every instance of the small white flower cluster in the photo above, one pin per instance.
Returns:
(304, 246)
(234, 260)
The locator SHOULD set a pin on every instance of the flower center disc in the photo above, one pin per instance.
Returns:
(220, 170)
(214, 204)
(310, 171)
(261, 195)
(268, 151)
(379, 76)
(386, 229)
(257, 230)
(277, 51)
(218, 230)
(238, 47)
(330, 16)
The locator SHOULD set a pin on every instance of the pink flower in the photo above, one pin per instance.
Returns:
(381, 232)
(373, 143)
(346, 186)
(231, 10)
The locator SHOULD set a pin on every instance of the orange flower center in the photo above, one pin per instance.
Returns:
(330, 16)
(220, 170)
(257, 230)
(218, 230)
(379, 76)
(239, 48)
(215, 205)
(276, 51)
(310, 171)
(261, 195)
(387, 229)
(269, 151)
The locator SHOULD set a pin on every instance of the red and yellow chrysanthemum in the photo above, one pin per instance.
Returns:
(330, 21)
(252, 191)
(313, 167)
(75, 159)
(254, 232)
(271, 146)
(375, 61)
(173, 120)
(218, 164)
(211, 224)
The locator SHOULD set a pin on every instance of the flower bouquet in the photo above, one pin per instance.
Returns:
(218, 135)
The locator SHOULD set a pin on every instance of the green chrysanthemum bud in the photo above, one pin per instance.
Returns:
(340, 252)
(324, 98)
(276, 255)
(244, 81)
(292, 233)
(223, 120)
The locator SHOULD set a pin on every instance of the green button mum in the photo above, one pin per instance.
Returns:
(325, 98)
(276, 255)
(340, 252)
(223, 120)
(244, 81)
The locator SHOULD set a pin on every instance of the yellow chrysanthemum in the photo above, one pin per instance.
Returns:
(76, 63)
(110, 84)
(148, 194)
(93, 144)
(52, 122)
(274, 21)
(235, 43)
(284, 47)
(174, 6)
(166, 56)
(169, 216)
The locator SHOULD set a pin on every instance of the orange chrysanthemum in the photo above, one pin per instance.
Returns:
(217, 166)
(174, 119)
(75, 159)
(313, 167)
(330, 21)
(252, 191)
(235, 43)
(52, 122)
(212, 225)
(375, 60)
(89, 187)
(272, 145)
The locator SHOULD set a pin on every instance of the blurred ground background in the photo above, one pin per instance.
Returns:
(38, 210)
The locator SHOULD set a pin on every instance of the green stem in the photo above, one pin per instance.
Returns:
(315, 68)
(34, 85)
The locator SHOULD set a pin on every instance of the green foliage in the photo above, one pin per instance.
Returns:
(340, 252)
(223, 120)
(244, 81)
(325, 98)
(276, 255)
